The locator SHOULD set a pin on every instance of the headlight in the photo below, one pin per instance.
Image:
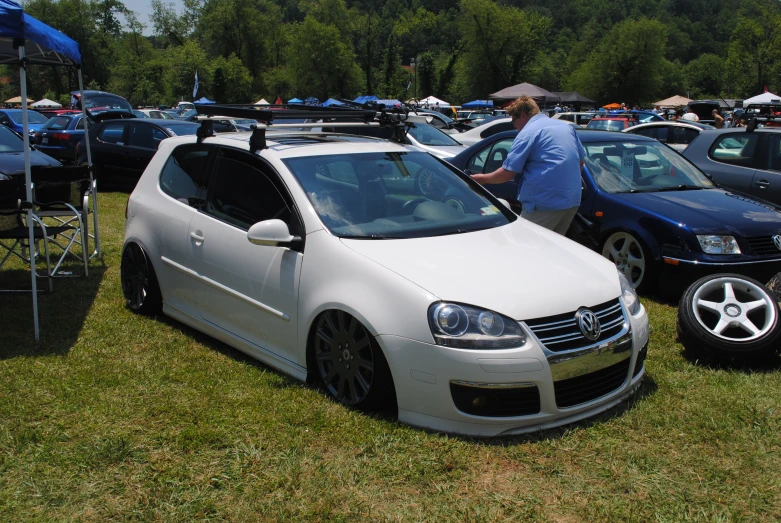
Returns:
(718, 244)
(462, 326)
(628, 295)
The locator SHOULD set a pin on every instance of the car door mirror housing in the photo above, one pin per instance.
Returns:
(505, 203)
(272, 233)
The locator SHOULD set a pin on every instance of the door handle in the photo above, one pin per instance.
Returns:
(197, 237)
(763, 183)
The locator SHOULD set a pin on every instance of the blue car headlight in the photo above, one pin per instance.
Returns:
(467, 327)
(715, 244)
(628, 295)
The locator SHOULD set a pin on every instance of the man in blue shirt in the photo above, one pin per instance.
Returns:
(547, 156)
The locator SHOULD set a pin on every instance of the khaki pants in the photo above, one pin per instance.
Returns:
(556, 221)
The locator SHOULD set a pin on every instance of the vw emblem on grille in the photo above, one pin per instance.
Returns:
(588, 323)
(777, 241)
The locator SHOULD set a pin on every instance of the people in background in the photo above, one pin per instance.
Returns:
(718, 120)
(547, 158)
(691, 116)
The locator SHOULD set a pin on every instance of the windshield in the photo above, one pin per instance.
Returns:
(32, 117)
(98, 103)
(606, 125)
(394, 195)
(182, 130)
(9, 141)
(245, 121)
(59, 123)
(641, 167)
(429, 135)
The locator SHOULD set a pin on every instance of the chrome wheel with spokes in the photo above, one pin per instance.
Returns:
(729, 316)
(349, 363)
(623, 249)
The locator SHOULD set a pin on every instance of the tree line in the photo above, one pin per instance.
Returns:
(632, 51)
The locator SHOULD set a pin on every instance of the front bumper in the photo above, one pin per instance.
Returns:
(423, 374)
(679, 273)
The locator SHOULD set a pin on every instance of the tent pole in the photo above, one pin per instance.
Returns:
(28, 184)
(98, 251)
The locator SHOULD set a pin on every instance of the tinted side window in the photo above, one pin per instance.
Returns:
(568, 117)
(689, 135)
(498, 155)
(498, 128)
(184, 174)
(80, 124)
(775, 153)
(243, 195)
(145, 136)
(112, 133)
(735, 149)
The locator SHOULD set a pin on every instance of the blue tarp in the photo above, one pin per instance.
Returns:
(312, 101)
(295, 101)
(478, 104)
(364, 99)
(44, 44)
(388, 103)
(203, 100)
(331, 102)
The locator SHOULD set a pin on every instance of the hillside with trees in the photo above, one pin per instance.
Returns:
(633, 51)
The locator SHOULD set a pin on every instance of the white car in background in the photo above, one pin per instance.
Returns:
(155, 113)
(484, 130)
(678, 134)
(387, 275)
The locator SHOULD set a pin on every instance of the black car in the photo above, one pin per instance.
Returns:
(12, 155)
(121, 149)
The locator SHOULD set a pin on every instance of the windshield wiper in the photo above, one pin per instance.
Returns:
(373, 237)
(680, 188)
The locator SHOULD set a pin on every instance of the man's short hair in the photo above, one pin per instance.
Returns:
(523, 105)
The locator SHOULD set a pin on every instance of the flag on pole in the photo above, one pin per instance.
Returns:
(195, 89)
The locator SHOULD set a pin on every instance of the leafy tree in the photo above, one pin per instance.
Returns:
(426, 75)
(705, 76)
(755, 49)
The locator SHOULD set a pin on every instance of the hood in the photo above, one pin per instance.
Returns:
(520, 270)
(711, 210)
(13, 163)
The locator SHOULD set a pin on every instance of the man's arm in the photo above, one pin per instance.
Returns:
(500, 175)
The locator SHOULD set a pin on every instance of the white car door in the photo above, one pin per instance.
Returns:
(248, 290)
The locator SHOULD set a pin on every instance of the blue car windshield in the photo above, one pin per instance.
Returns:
(394, 195)
(32, 117)
(641, 167)
(10, 141)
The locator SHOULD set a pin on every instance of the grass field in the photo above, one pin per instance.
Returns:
(116, 417)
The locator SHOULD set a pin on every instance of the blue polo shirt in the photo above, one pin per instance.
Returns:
(546, 154)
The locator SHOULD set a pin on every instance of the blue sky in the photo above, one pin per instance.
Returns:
(143, 8)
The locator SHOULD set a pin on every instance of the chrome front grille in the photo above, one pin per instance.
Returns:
(762, 245)
(561, 332)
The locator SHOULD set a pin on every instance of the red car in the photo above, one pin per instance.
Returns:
(612, 123)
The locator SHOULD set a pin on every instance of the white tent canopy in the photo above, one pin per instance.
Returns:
(262, 101)
(761, 99)
(432, 101)
(46, 103)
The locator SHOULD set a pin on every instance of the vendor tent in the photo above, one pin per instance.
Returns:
(312, 101)
(331, 101)
(573, 97)
(262, 101)
(202, 100)
(433, 101)
(673, 101)
(365, 98)
(295, 101)
(388, 102)
(25, 40)
(525, 89)
(17, 100)
(614, 105)
(761, 99)
(478, 104)
(40, 104)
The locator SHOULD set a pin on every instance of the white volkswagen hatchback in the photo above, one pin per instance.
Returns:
(386, 274)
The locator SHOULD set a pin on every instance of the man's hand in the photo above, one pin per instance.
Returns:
(500, 175)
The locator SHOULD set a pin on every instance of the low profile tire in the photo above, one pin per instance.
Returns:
(139, 282)
(631, 258)
(729, 318)
(349, 362)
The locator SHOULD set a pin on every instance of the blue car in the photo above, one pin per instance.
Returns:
(12, 118)
(657, 216)
(58, 137)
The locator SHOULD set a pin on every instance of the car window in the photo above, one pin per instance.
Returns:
(427, 135)
(606, 125)
(80, 124)
(735, 149)
(657, 133)
(497, 155)
(112, 133)
(683, 135)
(242, 194)
(477, 162)
(185, 173)
(498, 128)
(57, 123)
(341, 171)
(568, 117)
(32, 117)
(4, 119)
(145, 136)
(10, 142)
(584, 119)
(775, 153)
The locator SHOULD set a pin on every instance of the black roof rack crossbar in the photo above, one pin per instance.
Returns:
(270, 113)
(754, 120)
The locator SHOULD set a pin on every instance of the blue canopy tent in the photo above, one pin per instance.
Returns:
(478, 104)
(364, 99)
(295, 101)
(23, 41)
(388, 102)
(203, 100)
(331, 101)
(312, 101)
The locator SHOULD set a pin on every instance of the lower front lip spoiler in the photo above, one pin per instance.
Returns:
(676, 261)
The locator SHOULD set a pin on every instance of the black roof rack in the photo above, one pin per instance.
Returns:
(358, 114)
(752, 124)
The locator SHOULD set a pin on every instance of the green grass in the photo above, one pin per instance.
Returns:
(117, 417)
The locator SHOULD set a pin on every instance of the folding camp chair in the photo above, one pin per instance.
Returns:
(61, 199)
(14, 233)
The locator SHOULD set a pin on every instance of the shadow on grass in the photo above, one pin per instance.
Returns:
(61, 313)
(768, 365)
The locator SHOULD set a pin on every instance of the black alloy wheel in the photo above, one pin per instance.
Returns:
(139, 282)
(349, 362)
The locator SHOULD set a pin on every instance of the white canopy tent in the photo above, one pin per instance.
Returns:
(763, 98)
(432, 101)
(46, 103)
(262, 101)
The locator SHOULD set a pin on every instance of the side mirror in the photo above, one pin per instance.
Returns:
(272, 233)
(505, 203)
